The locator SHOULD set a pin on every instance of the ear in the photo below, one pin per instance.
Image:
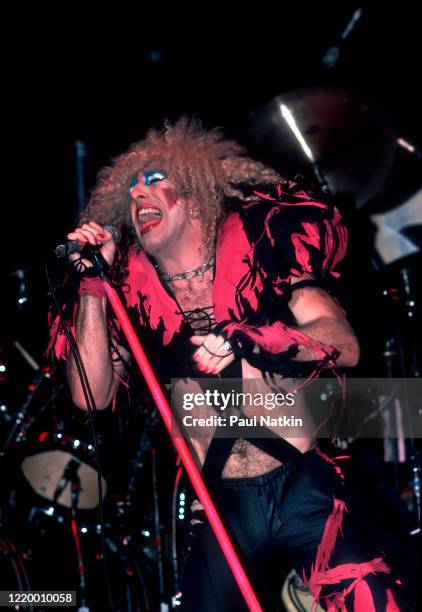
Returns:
(194, 212)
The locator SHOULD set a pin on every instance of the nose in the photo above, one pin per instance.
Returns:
(138, 190)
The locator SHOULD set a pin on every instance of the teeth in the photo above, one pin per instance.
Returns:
(154, 211)
(144, 213)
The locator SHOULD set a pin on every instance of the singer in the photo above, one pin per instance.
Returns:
(223, 264)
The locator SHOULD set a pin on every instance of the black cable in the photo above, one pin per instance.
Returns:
(90, 404)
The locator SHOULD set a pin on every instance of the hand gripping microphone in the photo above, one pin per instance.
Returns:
(74, 246)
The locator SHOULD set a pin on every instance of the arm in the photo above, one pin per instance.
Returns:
(319, 317)
(103, 367)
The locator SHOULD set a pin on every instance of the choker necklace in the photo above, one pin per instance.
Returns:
(187, 274)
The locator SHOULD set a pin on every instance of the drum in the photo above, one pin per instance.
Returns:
(43, 471)
(294, 595)
(58, 461)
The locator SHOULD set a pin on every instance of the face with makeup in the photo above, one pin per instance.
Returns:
(160, 218)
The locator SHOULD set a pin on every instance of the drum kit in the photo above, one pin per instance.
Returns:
(53, 533)
(57, 529)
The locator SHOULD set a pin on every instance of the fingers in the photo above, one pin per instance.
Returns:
(224, 363)
(90, 232)
(213, 355)
(202, 355)
(94, 234)
(198, 340)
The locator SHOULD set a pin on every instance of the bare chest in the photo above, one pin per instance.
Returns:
(193, 297)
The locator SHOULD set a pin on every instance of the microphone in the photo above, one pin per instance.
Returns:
(74, 246)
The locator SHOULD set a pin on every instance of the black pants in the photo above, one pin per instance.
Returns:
(278, 521)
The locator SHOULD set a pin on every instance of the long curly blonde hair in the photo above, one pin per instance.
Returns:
(203, 166)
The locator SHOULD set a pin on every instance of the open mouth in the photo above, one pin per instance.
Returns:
(148, 218)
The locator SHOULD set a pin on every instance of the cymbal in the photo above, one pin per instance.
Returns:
(348, 138)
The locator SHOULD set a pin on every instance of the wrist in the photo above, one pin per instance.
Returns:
(92, 286)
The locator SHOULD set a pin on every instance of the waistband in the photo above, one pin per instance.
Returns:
(256, 481)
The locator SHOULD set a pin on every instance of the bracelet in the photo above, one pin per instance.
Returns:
(92, 286)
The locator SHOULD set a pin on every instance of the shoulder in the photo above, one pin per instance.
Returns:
(293, 233)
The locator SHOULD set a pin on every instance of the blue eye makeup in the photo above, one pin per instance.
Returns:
(133, 182)
(150, 177)
(154, 176)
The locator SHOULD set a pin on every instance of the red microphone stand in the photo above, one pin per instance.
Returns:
(179, 443)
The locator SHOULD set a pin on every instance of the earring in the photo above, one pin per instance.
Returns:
(194, 213)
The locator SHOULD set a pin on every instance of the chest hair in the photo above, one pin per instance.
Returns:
(194, 293)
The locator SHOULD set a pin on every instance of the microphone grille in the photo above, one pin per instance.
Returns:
(115, 232)
(60, 251)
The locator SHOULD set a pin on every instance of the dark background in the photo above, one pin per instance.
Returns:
(105, 79)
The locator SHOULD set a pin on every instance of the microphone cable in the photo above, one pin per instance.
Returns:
(90, 403)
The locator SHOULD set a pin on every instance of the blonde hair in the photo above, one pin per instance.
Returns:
(203, 166)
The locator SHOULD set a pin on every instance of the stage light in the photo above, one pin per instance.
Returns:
(288, 117)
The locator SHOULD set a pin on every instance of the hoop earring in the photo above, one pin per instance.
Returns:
(194, 213)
